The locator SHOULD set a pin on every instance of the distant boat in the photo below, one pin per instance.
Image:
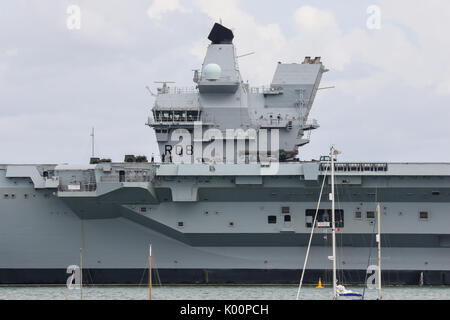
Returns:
(339, 291)
(343, 292)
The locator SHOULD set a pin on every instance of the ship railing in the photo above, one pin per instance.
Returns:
(178, 122)
(274, 122)
(118, 178)
(173, 120)
(355, 167)
(311, 122)
(265, 90)
(77, 187)
(178, 90)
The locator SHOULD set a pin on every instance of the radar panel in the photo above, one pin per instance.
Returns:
(219, 34)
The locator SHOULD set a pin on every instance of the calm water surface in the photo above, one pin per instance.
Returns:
(214, 292)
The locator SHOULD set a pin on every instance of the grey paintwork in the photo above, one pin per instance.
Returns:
(215, 215)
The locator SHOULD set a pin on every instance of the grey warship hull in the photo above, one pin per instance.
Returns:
(229, 201)
(115, 218)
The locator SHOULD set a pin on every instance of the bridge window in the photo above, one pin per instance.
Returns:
(287, 218)
(370, 214)
(180, 223)
(358, 215)
(192, 115)
(324, 218)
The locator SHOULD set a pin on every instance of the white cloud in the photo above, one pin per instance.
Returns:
(12, 52)
(160, 7)
(390, 50)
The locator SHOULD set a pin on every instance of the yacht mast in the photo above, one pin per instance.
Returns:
(93, 137)
(150, 273)
(333, 223)
(380, 297)
(81, 273)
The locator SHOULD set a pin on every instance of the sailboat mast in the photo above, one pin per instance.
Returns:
(379, 250)
(93, 137)
(333, 224)
(81, 273)
(150, 273)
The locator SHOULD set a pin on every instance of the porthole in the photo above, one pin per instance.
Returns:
(423, 215)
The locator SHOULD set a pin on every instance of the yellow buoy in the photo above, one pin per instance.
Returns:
(319, 286)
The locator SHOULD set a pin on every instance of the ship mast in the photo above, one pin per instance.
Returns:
(380, 297)
(333, 151)
(93, 137)
(150, 273)
(81, 273)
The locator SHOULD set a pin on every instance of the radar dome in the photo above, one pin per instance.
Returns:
(212, 71)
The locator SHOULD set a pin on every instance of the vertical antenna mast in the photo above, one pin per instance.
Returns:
(150, 273)
(93, 136)
(81, 273)
(333, 223)
(380, 297)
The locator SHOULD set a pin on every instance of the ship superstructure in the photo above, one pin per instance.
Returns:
(216, 218)
(225, 108)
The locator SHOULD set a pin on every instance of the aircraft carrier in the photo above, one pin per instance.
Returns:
(227, 201)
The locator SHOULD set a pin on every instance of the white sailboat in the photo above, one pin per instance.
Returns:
(339, 291)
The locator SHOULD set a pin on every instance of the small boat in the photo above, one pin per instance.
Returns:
(342, 292)
(339, 291)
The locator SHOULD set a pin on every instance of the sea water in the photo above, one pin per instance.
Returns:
(213, 293)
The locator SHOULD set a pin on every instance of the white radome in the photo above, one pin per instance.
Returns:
(212, 71)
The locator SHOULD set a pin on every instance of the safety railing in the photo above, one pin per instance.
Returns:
(77, 187)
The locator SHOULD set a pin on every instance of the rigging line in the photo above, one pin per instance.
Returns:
(157, 273)
(368, 260)
(81, 256)
(341, 247)
(341, 235)
(311, 235)
(88, 279)
(142, 275)
(144, 272)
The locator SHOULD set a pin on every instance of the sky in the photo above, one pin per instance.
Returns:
(389, 61)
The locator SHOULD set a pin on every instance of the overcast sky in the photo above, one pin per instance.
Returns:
(392, 84)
